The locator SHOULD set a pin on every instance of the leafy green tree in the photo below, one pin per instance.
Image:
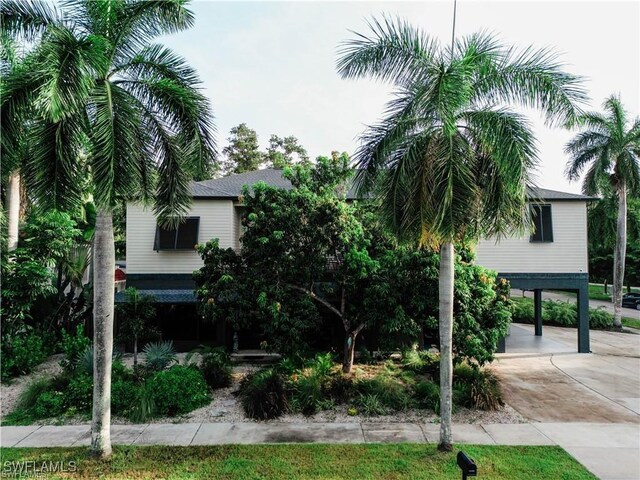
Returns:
(29, 272)
(287, 270)
(285, 152)
(609, 149)
(243, 152)
(451, 159)
(602, 219)
(134, 315)
(100, 97)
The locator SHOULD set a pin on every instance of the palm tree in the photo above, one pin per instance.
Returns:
(610, 148)
(97, 96)
(450, 160)
(11, 158)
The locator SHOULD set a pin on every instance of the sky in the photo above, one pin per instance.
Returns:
(271, 65)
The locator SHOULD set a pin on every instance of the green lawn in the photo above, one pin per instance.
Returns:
(631, 322)
(626, 321)
(596, 292)
(272, 462)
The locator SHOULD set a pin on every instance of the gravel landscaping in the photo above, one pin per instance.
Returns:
(226, 407)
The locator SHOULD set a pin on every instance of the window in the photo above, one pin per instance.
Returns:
(543, 227)
(185, 237)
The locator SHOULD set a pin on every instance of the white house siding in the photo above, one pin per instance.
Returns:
(566, 254)
(237, 226)
(217, 220)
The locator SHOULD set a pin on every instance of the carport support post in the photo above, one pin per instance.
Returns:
(537, 311)
(583, 318)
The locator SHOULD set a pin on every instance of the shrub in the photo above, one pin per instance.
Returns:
(79, 393)
(159, 355)
(49, 404)
(30, 395)
(477, 388)
(340, 387)
(309, 394)
(178, 390)
(560, 313)
(314, 387)
(74, 347)
(123, 396)
(522, 310)
(84, 362)
(215, 365)
(600, 318)
(371, 404)
(144, 406)
(287, 366)
(21, 353)
(322, 364)
(264, 394)
(389, 391)
(427, 395)
(421, 362)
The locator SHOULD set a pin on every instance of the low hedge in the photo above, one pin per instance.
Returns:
(178, 390)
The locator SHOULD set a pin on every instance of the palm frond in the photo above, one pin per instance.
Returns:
(68, 62)
(394, 51)
(51, 170)
(142, 21)
(172, 199)
(533, 78)
(598, 173)
(116, 145)
(185, 109)
(617, 117)
(27, 19)
(505, 157)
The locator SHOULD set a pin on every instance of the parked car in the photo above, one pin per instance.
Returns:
(631, 300)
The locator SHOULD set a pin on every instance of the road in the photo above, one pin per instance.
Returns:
(608, 306)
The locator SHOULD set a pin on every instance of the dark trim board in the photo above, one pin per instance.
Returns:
(547, 281)
(160, 281)
(572, 282)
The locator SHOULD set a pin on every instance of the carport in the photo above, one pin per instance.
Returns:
(570, 282)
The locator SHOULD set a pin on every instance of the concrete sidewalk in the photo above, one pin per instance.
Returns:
(610, 451)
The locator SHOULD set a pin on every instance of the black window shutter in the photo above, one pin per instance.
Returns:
(184, 237)
(536, 213)
(542, 224)
(165, 238)
(188, 234)
(547, 224)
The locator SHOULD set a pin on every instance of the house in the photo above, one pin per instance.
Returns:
(161, 261)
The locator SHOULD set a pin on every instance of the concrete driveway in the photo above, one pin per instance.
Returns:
(589, 404)
(546, 381)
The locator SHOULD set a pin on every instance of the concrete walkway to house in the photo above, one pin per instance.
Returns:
(610, 451)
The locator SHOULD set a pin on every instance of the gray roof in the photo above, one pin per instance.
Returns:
(545, 194)
(163, 296)
(231, 187)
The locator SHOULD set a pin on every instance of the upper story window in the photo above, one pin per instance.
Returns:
(543, 226)
(184, 237)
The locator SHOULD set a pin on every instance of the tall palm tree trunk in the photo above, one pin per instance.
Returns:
(103, 298)
(619, 256)
(13, 209)
(446, 332)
